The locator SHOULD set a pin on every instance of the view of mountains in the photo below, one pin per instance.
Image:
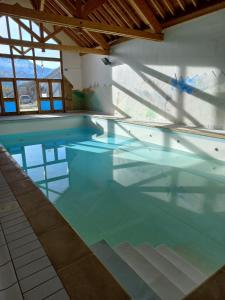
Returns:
(25, 69)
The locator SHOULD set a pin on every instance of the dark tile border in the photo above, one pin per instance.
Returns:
(212, 289)
(82, 274)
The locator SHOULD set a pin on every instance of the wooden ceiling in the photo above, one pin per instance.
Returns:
(101, 23)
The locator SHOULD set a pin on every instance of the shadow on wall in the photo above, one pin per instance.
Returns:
(143, 93)
(181, 80)
(170, 99)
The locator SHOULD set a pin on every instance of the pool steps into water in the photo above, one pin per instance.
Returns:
(148, 273)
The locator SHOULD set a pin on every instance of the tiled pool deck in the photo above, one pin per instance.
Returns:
(41, 257)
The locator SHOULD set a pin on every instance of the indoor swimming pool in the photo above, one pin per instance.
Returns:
(121, 189)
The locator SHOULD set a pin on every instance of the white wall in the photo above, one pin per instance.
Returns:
(179, 80)
(97, 78)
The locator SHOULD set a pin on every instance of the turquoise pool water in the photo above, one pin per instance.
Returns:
(121, 189)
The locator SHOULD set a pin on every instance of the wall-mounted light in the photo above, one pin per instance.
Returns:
(106, 61)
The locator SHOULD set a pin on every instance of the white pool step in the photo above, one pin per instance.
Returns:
(162, 285)
(178, 277)
(187, 268)
(125, 275)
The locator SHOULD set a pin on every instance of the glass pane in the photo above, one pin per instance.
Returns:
(37, 174)
(27, 94)
(10, 106)
(16, 50)
(4, 49)
(26, 22)
(44, 89)
(28, 51)
(24, 68)
(45, 105)
(58, 105)
(26, 36)
(35, 28)
(48, 69)
(50, 154)
(6, 69)
(47, 53)
(56, 89)
(7, 89)
(52, 41)
(14, 29)
(3, 28)
(61, 153)
(25, 51)
(34, 155)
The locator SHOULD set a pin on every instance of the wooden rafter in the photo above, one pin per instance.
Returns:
(78, 5)
(90, 6)
(35, 4)
(12, 42)
(25, 27)
(146, 14)
(68, 9)
(99, 39)
(198, 13)
(21, 12)
(42, 5)
(96, 37)
(52, 34)
(169, 6)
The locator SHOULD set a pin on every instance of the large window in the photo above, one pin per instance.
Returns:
(30, 79)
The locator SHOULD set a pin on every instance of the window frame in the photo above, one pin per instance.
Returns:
(33, 58)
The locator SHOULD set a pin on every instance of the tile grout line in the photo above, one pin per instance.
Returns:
(36, 259)
(39, 284)
(11, 241)
(52, 294)
(49, 265)
(12, 261)
(8, 287)
(39, 247)
(16, 248)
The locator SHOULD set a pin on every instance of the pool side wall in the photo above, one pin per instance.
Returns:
(209, 146)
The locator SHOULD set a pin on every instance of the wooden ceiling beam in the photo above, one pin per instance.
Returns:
(99, 39)
(68, 9)
(20, 12)
(52, 34)
(78, 5)
(35, 4)
(25, 27)
(169, 6)
(195, 14)
(120, 13)
(131, 13)
(12, 42)
(144, 11)
(96, 37)
(42, 5)
(181, 4)
(90, 6)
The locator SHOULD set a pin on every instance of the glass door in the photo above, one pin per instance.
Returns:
(8, 103)
(50, 96)
(27, 95)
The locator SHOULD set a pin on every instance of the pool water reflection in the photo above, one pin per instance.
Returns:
(121, 189)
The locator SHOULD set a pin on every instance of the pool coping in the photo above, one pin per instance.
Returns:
(81, 273)
(220, 134)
